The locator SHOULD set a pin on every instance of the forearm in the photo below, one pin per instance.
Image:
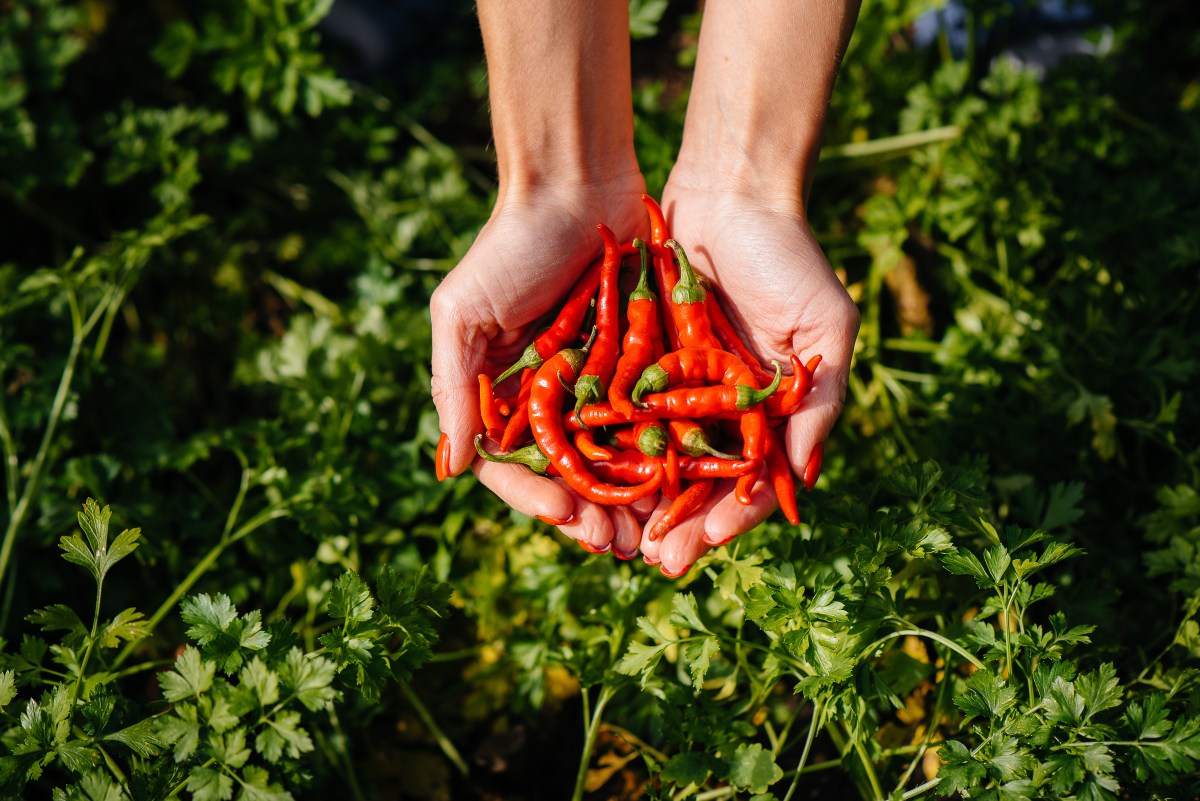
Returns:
(560, 91)
(764, 73)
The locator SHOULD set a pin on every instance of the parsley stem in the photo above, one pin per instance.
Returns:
(817, 713)
(443, 741)
(592, 724)
(930, 635)
(81, 328)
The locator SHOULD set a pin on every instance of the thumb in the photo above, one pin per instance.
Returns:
(458, 357)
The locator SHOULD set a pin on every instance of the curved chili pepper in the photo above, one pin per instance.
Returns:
(588, 447)
(493, 423)
(745, 484)
(545, 418)
(780, 473)
(441, 458)
(642, 338)
(687, 502)
(531, 456)
(597, 372)
(785, 404)
(688, 308)
(664, 268)
(651, 437)
(812, 470)
(628, 467)
(565, 327)
(670, 485)
(518, 423)
(689, 437)
(812, 368)
(705, 365)
(695, 467)
(709, 401)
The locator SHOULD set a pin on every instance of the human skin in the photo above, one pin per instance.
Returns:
(560, 90)
(737, 197)
(562, 119)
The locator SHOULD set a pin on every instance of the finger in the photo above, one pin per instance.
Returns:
(644, 507)
(729, 518)
(526, 492)
(589, 525)
(627, 532)
(819, 412)
(651, 548)
(682, 546)
(458, 358)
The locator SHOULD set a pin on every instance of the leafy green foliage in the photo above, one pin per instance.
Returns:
(220, 247)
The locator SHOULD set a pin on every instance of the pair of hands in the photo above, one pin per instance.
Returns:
(783, 295)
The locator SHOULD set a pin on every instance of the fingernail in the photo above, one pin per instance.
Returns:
(671, 575)
(649, 561)
(812, 470)
(623, 556)
(587, 546)
(441, 460)
(550, 521)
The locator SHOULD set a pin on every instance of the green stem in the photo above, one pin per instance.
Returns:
(442, 740)
(868, 768)
(817, 713)
(931, 635)
(17, 513)
(924, 788)
(201, 567)
(590, 733)
(22, 506)
(890, 145)
(343, 754)
(11, 463)
(87, 653)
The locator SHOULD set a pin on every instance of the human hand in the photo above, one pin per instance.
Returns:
(525, 260)
(783, 298)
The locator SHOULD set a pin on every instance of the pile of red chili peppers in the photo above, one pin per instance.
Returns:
(642, 406)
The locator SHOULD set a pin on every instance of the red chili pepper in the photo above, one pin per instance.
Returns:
(597, 372)
(634, 466)
(785, 404)
(441, 459)
(670, 485)
(689, 437)
(812, 470)
(703, 365)
(642, 338)
(708, 401)
(811, 367)
(688, 308)
(545, 418)
(565, 327)
(780, 473)
(687, 502)
(664, 269)
(588, 447)
(518, 423)
(493, 423)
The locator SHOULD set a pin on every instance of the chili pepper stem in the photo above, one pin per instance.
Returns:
(749, 396)
(687, 289)
(529, 358)
(654, 379)
(531, 456)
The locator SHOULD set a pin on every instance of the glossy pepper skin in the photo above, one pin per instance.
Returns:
(664, 268)
(708, 401)
(689, 311)
(632, 466)
(642, 338)
(545, 419)
(689, 437)
(493, 423)
(518, 423)
(598, 370)
(705, 365)
(684, 504)
(780, 473)
(565, 328)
